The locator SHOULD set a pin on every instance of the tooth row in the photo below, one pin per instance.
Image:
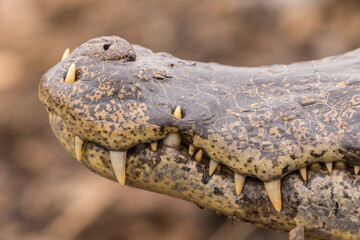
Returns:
(329, 166)
(273, 188)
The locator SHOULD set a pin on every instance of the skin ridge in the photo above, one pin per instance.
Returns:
(264, 122)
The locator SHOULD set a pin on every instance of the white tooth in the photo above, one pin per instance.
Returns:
(239, 183)
(79, 148)
(177, 113)
(70, 76)
(199, 155)
(153, 146)
(172, 140)
(356, 169)
(340, 165)
(212, 167)
(329, 166)
(191, 149)
(118, 161)
(66, 54)
(303, 173)
(273, 190)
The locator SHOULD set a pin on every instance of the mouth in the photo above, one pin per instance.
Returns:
(326, 204)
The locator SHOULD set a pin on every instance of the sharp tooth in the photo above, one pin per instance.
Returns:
(315, 166)
(191, 149)
(199, 155)
(303, 173)
(153, 146)
(172, 140)
(66, 54)
(239, 183)
(118, 161)
(274, 192)
(356, 169)
(329, 166)
(340, 165)
(70, 76)
(213, 166)
(177, 113)
(79, 148)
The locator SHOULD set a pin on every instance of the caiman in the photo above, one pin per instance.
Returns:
(277, 146)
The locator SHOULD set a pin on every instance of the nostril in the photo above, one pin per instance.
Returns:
(106, 46)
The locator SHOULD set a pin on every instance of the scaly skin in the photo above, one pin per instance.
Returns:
(261, 122)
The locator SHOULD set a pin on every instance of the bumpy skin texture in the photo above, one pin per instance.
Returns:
(263, 122)
(327, 205)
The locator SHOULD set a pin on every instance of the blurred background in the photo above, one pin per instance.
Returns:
(44, 193)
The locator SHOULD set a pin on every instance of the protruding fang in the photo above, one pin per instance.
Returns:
(153, 146)
(315, 166)
(172, 140)
(79, 148)
(177, 113)
(199, 155)
(66, 54)
(356, 169)
(118, 161)
(191, 149)
(239, 183)
(340, 165)
(303, 173)
(212, 167)
(329, 166)
(70, 76)
(274, 192)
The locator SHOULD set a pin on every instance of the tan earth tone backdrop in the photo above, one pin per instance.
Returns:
(44, 193)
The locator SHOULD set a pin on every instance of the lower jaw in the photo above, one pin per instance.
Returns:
(327, 205)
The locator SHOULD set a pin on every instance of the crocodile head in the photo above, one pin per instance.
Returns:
(108, 99)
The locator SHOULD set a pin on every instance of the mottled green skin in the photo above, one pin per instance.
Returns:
(263, 122)
(327, 205)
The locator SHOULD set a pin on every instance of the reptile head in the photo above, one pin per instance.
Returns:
(109, 98)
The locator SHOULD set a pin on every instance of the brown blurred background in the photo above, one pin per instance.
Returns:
(44, 193)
